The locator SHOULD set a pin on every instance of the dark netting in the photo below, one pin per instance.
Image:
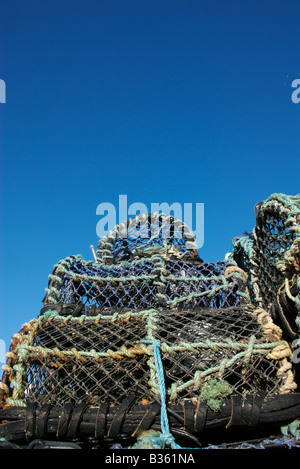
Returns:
(144, 283)
(273, 240)
(209, 356)
(87, 369)
(270, 256)
(100, 359)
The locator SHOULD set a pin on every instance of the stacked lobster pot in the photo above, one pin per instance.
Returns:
(148, 346)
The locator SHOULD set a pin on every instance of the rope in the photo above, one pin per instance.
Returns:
(167, 439)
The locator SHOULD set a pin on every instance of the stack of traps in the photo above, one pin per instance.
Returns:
(85, 369)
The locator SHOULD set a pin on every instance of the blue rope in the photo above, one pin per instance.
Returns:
(166, 435)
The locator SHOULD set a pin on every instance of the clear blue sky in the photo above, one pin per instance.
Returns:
(165, 101)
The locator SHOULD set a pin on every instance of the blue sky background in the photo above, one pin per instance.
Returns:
(165, 101)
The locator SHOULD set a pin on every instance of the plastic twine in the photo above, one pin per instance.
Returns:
(166, 435)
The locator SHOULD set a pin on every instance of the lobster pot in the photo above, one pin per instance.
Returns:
(214, 358)
(271, 253)
(145, 283)
(143, 232)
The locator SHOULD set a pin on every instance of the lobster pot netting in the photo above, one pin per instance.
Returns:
(144, 283)
(148, 323)
(146, 272)
(105, 358)
(270, 255)
(223, 368)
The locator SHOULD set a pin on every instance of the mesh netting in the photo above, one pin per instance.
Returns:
(270, 256)
(108, 356)
(148, 282)
(271, 253)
